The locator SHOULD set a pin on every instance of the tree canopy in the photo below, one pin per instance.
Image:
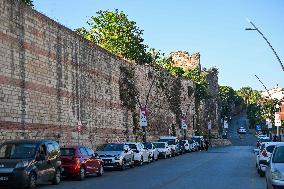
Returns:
(113, 31)
(28, 2)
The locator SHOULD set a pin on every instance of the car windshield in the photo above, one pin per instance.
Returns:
(17, 150)
(264, 140)
(196, 139)
(278, 156)
(148, 145)
(67, 151)
(111, 147)
(169, 141)
(270, 148)
(159, 145)
(132, 146)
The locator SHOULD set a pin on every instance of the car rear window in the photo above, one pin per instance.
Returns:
(278, 155)
(270, 148)
(67, 151)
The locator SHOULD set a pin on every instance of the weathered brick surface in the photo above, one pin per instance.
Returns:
(50, 78)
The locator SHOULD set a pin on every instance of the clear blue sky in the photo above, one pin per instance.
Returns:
(215, 28)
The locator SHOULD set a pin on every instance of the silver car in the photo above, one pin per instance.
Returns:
(274, 171)
(116, 155)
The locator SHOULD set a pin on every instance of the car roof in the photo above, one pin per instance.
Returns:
(280, 144)
(30, 141)
(271, 143)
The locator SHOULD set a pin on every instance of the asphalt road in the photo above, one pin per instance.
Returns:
(230, 167)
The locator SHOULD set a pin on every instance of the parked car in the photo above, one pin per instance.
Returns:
(262, 140)
(172, 142)
(193, 145)
(242, 130)
(181, 147)
(200, 141)
(141, 154)
(152, 150)
(263, 156)
(163, 149)
(26, 163)
(116, 155)
(79, 161)
(186, 145)
(274, 171)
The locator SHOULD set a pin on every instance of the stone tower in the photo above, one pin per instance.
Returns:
(185, 60)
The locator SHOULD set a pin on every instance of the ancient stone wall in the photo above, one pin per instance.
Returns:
(51, 78)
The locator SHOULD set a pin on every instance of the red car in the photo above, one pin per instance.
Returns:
(79, 161)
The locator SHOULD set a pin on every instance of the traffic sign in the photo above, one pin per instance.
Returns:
(278, 119)
(209, 125)
(226, 125)
(258, 127)
(143, 117)
(79, 126)
(183, 122)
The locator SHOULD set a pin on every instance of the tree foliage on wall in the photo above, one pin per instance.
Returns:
(28, 2)
(113, 31)
(128, 93)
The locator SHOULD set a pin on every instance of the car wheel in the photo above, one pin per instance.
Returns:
(32, 181)
(57, 177)
(261, 173)
(157, 158)
(101, 171)
(122, 165)
(141, 161)
(82, 173)
(150, 159)
(132, 163)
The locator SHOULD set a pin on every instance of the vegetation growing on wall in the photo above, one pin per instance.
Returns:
(128, 93)
(28, 2)
(113, 31)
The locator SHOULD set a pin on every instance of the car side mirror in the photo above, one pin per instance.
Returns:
(256, 150)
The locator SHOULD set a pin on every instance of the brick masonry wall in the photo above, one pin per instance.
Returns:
(50, 78)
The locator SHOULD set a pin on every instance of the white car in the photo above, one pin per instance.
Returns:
(186, 145)
(193, 145)
(152, 150)
(264, 155)
(242, 130)
(141, 154)
(163, 149)
(261, 136)
(172, 142)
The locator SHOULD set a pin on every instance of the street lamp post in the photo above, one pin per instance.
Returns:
(256, 29)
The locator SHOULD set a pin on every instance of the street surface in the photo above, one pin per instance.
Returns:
(230, 167)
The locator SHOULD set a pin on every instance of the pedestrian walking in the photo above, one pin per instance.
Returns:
(206, 144)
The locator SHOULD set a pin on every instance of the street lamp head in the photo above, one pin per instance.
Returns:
(250, 29)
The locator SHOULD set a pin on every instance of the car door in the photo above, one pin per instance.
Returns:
(42, 164)
(85, 159)
(93, 162)
(127, 153)
(51, 160)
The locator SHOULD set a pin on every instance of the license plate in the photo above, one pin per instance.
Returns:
(3, 178)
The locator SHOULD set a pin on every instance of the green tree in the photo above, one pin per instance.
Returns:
(249, 95)
(254, 114)
(28, 2)
(113, 31)
(227, 97)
